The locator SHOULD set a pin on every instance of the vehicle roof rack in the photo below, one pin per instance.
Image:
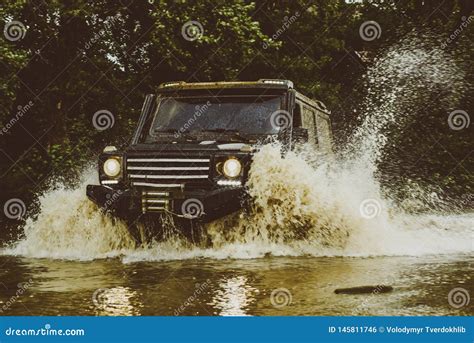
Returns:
(277, 83)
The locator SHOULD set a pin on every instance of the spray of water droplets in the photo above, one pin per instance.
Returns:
(303, 204)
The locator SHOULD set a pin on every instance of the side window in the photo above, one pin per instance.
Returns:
(324, 132)
(297, 115)
(309, 122)
(315, 126)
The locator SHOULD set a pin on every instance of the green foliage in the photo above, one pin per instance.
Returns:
(81, 57)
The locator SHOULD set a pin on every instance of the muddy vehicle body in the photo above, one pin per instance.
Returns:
(192, 150)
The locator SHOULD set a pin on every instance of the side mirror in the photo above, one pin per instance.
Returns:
(300, 135)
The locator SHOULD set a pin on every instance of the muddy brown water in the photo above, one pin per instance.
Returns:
(232, 287)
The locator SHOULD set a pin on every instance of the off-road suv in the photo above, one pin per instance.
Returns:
(192, 150)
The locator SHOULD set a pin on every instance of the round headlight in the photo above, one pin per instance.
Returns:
(232, 167)
(112, 167)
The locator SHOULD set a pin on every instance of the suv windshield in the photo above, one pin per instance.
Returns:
(241, 114)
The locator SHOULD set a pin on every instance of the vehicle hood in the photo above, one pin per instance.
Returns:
(197, 146)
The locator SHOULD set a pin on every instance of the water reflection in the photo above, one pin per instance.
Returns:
(234, 296)
(235, 287)
(116, 301)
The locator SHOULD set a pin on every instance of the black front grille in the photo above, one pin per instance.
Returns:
(162, 179)
(167, 172)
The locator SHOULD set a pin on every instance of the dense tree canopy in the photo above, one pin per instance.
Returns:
(68, 59)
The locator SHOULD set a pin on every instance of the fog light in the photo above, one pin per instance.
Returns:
(229, 183)
(109, 182)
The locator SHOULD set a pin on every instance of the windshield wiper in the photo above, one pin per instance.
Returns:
(176, 132)
(224, 133)
(165, 131)
(221, 130)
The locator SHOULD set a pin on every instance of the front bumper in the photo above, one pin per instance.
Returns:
(201, 205)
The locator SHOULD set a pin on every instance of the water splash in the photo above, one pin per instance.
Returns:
(412, 76)
(318, 212)
(69, 226)
(302, 204)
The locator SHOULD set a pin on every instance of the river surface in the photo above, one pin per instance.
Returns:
(233, 287)
(306, 238)
(316, 224)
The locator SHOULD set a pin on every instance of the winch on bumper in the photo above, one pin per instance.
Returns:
(202, 206)
(190, 186)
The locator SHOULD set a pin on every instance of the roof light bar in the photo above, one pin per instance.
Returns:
(170, 84)
(277, 82)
